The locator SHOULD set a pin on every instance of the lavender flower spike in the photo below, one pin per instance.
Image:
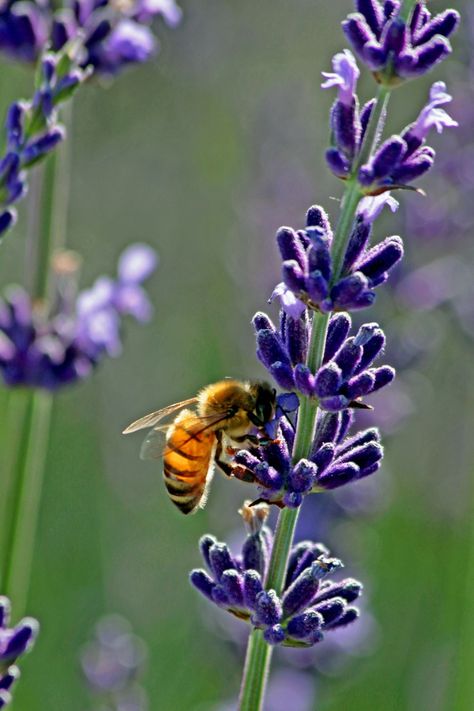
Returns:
(395, 50)
(14, 643)
(308, 606)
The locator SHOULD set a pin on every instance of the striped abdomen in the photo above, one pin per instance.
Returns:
(188, 461)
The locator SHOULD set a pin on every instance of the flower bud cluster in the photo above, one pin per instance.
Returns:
(346, 373)
(395, 50)
(308, 272)
(14, 642)
(49, 350)
(32, 128)
(335, 460)
(309, 605)
(399, 160)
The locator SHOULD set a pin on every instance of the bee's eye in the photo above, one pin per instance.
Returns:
(232, 410)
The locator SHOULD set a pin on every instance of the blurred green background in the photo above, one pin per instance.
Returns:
(203, 154)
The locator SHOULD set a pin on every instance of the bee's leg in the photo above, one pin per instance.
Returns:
(261, 500)
(231, 470)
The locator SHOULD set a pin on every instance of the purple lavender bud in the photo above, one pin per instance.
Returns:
(387, 157)
(358, 32)
(349, 289)
(331, 610)
(232, 585)
(419, 164)
(270, 349)
(205, 544)
(296, 337)
(304, 625)
(202, 582)
(219, 596)
(350, 615)
(278, 456)
(283, 374)
(302, 556)
(424, 58)
(5, 698)
(301, 593)
(21, 639)
(348, 357)
(274, 635)
(7, 220)
(328, 380)
(338, 475)
(220, 559)
(349, 589)
(317, 287)
(302, 476)
(262, 322)
(374, 56)
(383, 376)
(7, 680)
(337, 163)
(366, 455)
(293, 276)
(129, 42)
(338, 329)
(365, 115)
(345, 127)
(394, 38)
(371, 10)
(335, 403)
(324, 456)
(390, 7)
(357, 243)
(255, 554)
(40, 147)
(443, 24)
(319, 257)
(268, 477)
(252, 587)
(317, 217)
(14, 123)
(304, 380)
(382, 258)
(372, 347)
(360, 385)
(290, 246)
(345, 420)
(370, 435)
(268, 609)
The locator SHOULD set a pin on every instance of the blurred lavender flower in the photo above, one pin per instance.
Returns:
(308, 606)
(345, 374)
(49, 350)
(32, 129)
(112, 34)
(395, 50)
(112, 663)
(14, 642)
(307, 270)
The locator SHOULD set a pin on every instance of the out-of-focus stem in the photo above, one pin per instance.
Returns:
(30, 471)
(29, 447)
(406, 9)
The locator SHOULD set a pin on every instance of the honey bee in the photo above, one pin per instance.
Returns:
(227, 413)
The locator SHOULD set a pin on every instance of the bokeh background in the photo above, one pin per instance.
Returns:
(203, 154)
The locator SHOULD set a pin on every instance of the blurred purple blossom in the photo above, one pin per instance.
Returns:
(112, 663)
(50, 350)
(14, 643)
(112, 34)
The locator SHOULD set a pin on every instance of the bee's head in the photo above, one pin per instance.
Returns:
(265, 403)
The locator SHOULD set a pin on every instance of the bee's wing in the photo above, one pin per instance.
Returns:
(154, 417)
(156, 444)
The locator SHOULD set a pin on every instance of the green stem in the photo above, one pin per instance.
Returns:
(258, 655)
(30, 472)
(257, 665)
